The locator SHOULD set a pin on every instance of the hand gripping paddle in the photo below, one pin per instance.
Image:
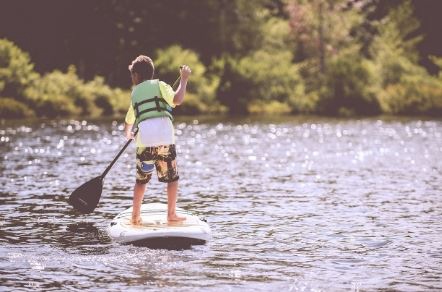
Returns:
(86, 197)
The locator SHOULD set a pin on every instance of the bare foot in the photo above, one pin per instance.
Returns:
(175, 218)
(136, 221)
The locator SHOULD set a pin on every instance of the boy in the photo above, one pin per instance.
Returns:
(150, 112)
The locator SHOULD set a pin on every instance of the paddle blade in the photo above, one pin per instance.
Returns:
(86, 197)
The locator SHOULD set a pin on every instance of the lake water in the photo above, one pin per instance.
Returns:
(295, 204)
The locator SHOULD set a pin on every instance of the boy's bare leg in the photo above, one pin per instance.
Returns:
(139, 190)
(172, 189)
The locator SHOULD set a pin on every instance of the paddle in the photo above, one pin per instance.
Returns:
(86, 197)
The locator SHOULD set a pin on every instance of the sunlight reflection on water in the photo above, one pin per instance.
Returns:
(294, 204)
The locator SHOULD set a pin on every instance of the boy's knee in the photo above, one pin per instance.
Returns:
(174, 181)
(141, 183)
(143, 179)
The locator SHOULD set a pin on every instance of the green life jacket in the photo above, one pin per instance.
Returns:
(148, 103)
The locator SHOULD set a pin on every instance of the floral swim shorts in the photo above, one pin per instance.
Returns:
(161, 158)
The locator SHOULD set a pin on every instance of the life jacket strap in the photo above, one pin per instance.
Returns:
(158, 107)
(153, 109)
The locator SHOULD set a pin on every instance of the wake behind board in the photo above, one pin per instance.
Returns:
(155, 231)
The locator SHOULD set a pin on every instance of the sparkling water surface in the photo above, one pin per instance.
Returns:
(295, 204)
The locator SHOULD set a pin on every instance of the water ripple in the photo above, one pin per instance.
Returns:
(294, 204)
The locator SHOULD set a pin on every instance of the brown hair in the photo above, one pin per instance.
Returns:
(142, 65)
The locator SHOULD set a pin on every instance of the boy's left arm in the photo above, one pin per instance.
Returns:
(174, 98)
(129, 122)
(181, 90)
(167, 93)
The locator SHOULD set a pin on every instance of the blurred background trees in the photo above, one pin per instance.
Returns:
(341, 57)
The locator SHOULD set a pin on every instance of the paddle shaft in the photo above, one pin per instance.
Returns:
(179, 77)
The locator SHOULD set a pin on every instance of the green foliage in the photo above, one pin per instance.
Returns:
(276, 35)
(237, 26)
(109, 101)
(233, 91)
(274, 77)
(270, 107)
(263, 76)
(13, 109)
(258, 56)
(414, 95)
(393, 51)
(403, 86)
(55, 94)
(266, 79)
(64, 94)
(413, 91)
(438, 62)
(16, 69)
(201, 86)
(321, 28)
(306, 103)
(335, 77)
(347, 85)
(397, 28)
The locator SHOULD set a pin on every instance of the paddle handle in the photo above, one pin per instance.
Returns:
(179, 77)
(118, 156)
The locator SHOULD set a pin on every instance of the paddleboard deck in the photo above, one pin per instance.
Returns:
(156, 231)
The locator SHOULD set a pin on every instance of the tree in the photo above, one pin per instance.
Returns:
(321, 28)
(394, 46)
(328, 51)
(404, 87)
(266, 80)
(16, 70)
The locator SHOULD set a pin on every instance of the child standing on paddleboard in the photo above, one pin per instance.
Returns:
(150, 112)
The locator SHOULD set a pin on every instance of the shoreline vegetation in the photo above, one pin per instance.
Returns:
(304, 62)
(116, 120)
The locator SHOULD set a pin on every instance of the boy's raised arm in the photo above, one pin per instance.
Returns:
(181, 90)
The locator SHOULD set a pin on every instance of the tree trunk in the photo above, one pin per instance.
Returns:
(321, 38)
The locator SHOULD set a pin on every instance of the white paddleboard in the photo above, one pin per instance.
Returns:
(156, 231)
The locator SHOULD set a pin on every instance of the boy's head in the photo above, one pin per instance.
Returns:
(141, 69)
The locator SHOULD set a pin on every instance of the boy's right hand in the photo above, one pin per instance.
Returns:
(128, 131)
(185, 72)
(129, 135)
